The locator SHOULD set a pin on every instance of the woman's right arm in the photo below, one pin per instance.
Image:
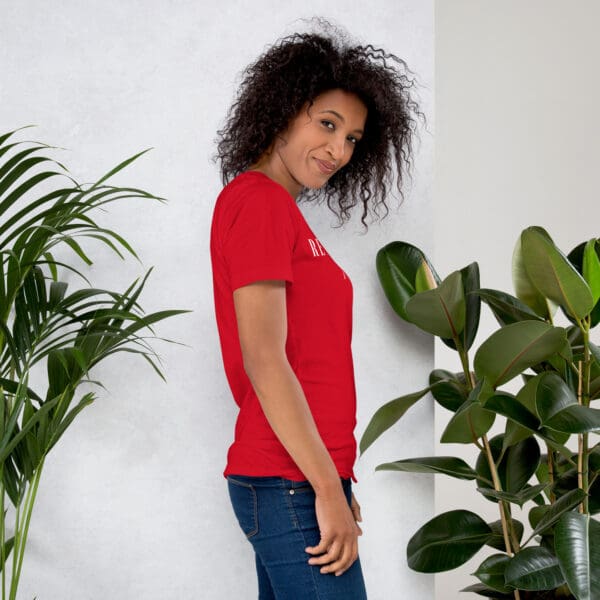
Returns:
(262, 325)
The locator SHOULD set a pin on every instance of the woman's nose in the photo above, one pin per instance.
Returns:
(337, 147)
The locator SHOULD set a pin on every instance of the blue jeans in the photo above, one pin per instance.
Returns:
(278, 517)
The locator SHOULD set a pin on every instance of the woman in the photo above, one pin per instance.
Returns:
(315, 118)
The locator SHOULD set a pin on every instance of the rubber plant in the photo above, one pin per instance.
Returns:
(547, 458)
(41, 325)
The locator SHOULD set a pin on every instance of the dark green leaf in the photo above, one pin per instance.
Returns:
(553, 514)
(440, 311)
(576, 259)
(470, 284)
(514, 348)
(509, 407)
(447, 541)
(515, 467)
(497, 539)
(506, 308)
(484, 590)
(387, 415)
(534, 569)
(471, 420)
(491, 572)
(553, 275)
(446, 465)
(525, 290)
(559, 410)
(450, 391)
(397, 266)
(525, 495)
(577, 543)
(591, 268)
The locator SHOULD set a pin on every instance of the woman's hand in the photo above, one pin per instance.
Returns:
(338, 547)
(355, 506)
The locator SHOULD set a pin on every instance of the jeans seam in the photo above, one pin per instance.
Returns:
(254, 531)
(297, 525)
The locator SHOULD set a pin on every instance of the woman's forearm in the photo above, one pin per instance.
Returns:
(284, 404)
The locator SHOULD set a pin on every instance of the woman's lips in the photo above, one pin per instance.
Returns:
(325, 166)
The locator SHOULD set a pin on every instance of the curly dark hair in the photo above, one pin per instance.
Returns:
(297, 69)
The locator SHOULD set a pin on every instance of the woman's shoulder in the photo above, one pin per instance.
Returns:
(254, 189)
(253, 182)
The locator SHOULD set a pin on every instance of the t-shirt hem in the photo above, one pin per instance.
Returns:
(292, 475)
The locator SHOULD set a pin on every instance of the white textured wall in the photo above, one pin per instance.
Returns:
(517, 144)
(133, 504)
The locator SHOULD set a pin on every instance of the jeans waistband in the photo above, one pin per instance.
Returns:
(278, 482)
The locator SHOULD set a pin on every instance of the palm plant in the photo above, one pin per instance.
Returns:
(41, 325)
(547, 424)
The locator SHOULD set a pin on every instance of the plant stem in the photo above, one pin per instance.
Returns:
(24, 527)
(17, 535)
(506, 531)
(498, 488)
(2, 532)
(584, 398)
(551, 494)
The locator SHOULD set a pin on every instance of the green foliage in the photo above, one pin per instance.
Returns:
(530, 464)
(40, 322)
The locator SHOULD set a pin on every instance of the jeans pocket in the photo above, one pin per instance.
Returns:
(245, 505)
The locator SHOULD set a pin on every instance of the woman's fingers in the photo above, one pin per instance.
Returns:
(338, 547)
(332, 554)
(355, 508)
(321, 548)
(345, 561)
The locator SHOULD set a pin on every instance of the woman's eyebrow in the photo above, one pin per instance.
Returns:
(337, 114)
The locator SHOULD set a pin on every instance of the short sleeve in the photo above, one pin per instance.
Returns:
(258, 236)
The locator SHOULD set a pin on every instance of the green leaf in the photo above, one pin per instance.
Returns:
(86, 400)
(447, 541)
(552, 396)
(577, 543)
(559, 410)
(525, 495)
(553, 275)
(488, 592)
(9, 443)
(470, 284)
(506, 308)
(515, 467)
(591, 268)
(575, 419)
(491, 572)
(440, 311)
(424, 278)
(509, 407)
(564, 504)
(448, 389)
(516, 347)
(524, 287)
(534, 569)
(471, 420)
(576, 259)
(397, 266)
(497, 539)
(8, 546)
(386, 416)
(447, 465)
(119, 167)
(527, 396)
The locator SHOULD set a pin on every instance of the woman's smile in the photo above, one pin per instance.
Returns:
(317, 142)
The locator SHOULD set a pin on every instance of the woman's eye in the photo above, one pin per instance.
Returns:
(352, 140)
(328, 124)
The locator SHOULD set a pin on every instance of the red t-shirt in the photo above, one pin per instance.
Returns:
(259, 233)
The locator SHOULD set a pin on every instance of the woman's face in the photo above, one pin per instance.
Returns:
(317, 143)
